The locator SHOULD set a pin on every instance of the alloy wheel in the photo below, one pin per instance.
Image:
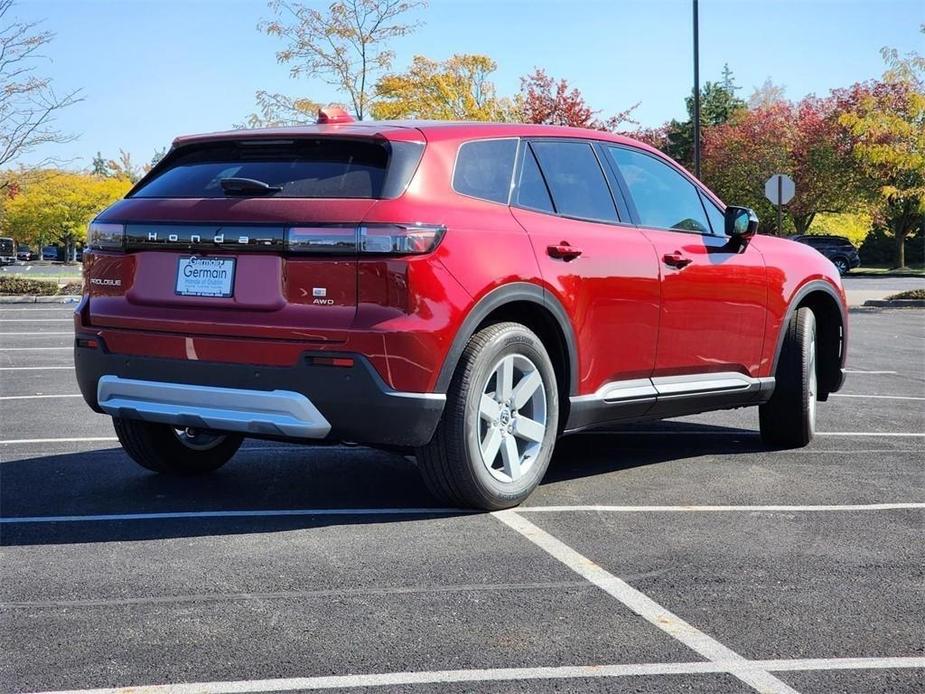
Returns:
(512, 418)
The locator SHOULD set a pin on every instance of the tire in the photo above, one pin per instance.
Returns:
(161, 448)
(480, 423)
(788, 419)
(842, 265)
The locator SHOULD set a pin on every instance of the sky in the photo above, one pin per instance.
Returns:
(150, 70)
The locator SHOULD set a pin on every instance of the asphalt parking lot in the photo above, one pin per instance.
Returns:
(670, 557)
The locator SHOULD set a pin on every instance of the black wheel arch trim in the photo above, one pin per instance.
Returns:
(495, 299)
(836, 377)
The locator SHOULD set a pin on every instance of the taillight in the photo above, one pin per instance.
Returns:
(399, 238)
(105, 236)
(332, 240)
(372, 239)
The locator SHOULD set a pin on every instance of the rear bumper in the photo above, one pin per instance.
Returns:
(302, 402)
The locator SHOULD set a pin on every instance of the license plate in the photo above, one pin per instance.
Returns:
(199, 276)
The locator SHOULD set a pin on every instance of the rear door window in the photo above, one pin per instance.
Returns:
(575, 180)
(484, 169)
(303, 168)
(664, 198)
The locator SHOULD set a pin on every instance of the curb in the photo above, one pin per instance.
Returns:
(896, 303)
(28, 299)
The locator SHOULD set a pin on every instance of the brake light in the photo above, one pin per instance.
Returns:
(368, 239)
(105, 236)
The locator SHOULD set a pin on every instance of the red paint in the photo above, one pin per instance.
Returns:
(640, 302)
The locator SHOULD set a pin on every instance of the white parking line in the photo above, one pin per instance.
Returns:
(875, 397)
(38, 332)
(644, 606)
(72, 440)
(859, 371)
(271, 513)
(395, 679)
(714, 509)
(36, 368)
(36, 320)
(37, 397)
(700, 432)
(35, 349)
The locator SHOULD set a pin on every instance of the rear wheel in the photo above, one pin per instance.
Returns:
(498, 431)
(788, 419)
(176, 451)
(842, 265)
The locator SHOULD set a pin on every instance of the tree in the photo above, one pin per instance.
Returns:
(123, 167)
(805, 140)
(276, 110)
(827, 176)
(455, 89)
(548, 101)
(345, 47)
(56, 206)
(551, 102)
(28, 103)
(718, 105)
(739, 156)
(766, 95)
(887, 119)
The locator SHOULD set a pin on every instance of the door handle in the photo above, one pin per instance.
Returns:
(563, 251)
(676, 260)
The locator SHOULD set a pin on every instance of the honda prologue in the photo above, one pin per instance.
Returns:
(466, 292)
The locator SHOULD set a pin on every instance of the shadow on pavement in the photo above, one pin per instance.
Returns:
(268, 477)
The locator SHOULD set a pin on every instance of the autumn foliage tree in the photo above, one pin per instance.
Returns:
(458, 88)
(56, 206)
(346, 46)
(548, 101)
(887, 121)
(552, 102)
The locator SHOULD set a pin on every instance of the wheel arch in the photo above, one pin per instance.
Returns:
(531, 305)
(831, 332)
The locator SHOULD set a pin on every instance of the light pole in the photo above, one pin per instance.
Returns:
(696, 92)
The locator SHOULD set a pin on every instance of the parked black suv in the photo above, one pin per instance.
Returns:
(838, 249)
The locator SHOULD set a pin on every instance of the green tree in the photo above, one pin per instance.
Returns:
(718, 105)
(56, 206)
(346, 46)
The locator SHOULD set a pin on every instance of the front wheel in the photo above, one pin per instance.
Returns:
(176, 451)
(498, 431)
(788, 419)
(842, 265)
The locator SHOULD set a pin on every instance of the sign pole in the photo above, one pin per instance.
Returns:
(696, 92)
(780, 195)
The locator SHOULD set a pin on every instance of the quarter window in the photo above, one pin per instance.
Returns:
(575, 180)
(716, 216)
(664, 198)
(532, 191)
(484, 169)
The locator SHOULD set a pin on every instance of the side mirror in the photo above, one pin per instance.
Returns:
(741, 223)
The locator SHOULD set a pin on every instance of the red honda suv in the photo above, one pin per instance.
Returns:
(467, 292)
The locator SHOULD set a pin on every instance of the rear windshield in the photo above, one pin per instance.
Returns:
(303, 168)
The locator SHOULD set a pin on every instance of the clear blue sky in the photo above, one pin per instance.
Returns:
(154, 69)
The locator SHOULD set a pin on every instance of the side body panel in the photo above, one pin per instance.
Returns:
(713, 310)
(610, 291)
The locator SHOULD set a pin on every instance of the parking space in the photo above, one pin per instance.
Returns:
(674, 556)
